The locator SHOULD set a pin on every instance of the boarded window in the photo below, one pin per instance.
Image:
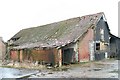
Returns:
(97, 46)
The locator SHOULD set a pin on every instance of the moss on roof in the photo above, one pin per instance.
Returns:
(55, 34)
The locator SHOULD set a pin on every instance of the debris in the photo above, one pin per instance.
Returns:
(97, 69)
(50, 73)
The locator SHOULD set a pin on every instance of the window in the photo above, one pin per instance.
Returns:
(97, 46)
(102, 34)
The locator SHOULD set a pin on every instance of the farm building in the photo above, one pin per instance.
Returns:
(114, 47)
(74, 40)
(2, 49)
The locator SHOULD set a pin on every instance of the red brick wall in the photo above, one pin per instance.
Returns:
(84, 46)
(42, 55)
(14, 55)
(48, 55)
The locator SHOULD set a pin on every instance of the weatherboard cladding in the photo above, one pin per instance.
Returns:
(55, 34)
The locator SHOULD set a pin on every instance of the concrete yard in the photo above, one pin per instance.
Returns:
(96, 69)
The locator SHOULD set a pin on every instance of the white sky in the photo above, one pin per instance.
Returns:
(19, 14)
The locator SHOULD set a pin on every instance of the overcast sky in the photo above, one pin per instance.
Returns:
(19, 14)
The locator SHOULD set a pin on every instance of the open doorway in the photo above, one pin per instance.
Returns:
(97, 46)
(67, 56)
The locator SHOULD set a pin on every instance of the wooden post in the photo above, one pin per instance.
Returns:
(106, 55)
(60, 57)
(21, 55)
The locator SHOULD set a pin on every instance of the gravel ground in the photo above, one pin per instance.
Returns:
(98, 69)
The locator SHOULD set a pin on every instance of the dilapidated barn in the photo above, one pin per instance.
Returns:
(74, 40)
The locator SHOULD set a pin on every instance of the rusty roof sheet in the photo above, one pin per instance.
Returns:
(55, 34)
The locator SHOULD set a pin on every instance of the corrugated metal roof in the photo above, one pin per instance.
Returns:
(55, 34)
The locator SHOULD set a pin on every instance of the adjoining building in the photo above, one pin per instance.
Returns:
(2, 49)
(77, 39)
(114, 47)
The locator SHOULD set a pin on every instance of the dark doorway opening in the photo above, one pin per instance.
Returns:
(67, 56)
(97, 46)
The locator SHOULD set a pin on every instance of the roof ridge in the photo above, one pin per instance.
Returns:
(102, 13)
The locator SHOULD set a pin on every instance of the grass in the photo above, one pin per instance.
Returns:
(84, 62)
(114, 71)
(7, 66)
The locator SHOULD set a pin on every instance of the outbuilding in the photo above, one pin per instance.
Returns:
(114, 47)
(2, 49)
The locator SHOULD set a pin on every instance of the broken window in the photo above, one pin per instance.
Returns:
(102, 34)
(97, 46)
